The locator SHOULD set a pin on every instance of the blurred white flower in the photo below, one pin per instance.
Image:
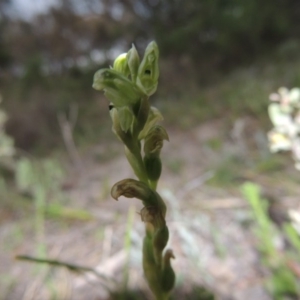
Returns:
(295, 218)
(279, 141)
(284, 113)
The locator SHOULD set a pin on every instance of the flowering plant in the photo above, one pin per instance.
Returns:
(128, 86)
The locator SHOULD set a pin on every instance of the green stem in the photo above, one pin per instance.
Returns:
(141, 112)
(134, 157)
(153, 185)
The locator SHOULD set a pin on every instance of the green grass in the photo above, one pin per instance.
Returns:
(281, 281)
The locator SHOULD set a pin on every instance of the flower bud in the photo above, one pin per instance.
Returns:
(133, 61)
(148, 71)
(153, 167)
(168, 274)
(154, 116)
(121, 65)
(117, 88)
(126, 118)
(124, 136)
(154, 140)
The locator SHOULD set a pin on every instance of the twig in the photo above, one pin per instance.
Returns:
(107, 268)
(57, 263)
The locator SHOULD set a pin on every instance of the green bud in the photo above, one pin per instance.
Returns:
(154, 140)
(121, 65)
(160, 240)
(124, 136)
(154, 116)
(133, 61)
(153, 167)
(117, 88)
(132, 188)
(168, 275)
(148, 72)
(126, 118)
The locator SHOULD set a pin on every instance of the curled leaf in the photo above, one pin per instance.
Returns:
(132, 188)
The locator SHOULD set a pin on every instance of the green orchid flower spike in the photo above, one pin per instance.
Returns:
(128, 86)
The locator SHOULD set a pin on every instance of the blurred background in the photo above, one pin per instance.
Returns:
(219, 61)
